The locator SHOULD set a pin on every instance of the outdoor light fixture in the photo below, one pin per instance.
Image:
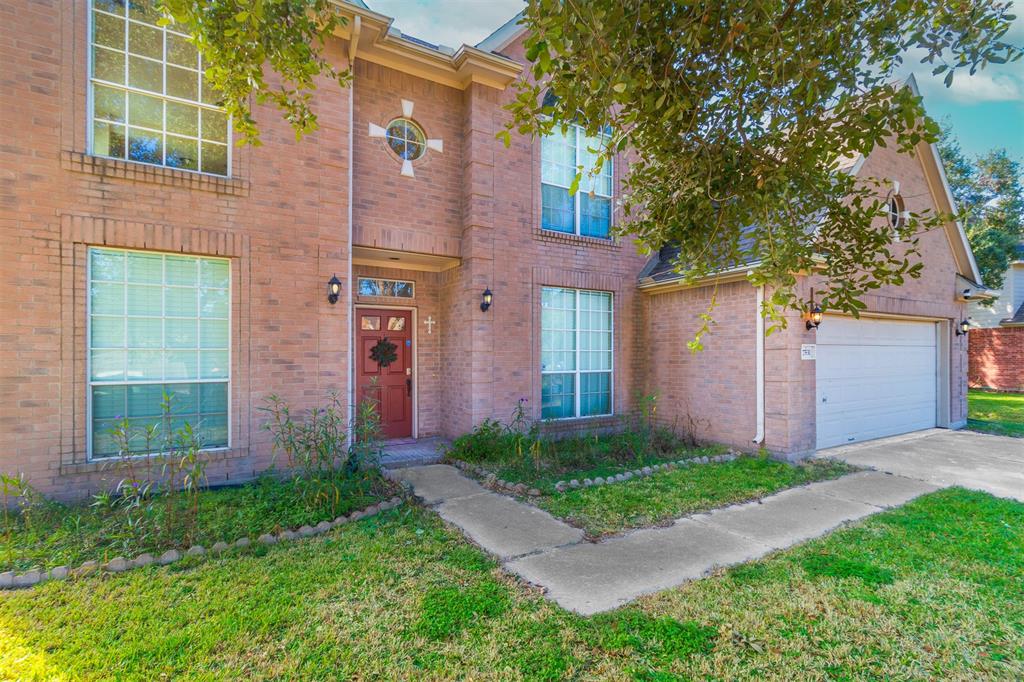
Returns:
(814, 319)
(963, 327)
(486, 302)
(333, 289)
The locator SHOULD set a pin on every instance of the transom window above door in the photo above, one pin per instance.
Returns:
(587, 213)
(149, 101)
(575, 353)
(386, 288)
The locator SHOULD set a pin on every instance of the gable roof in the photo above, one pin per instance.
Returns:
(1017, 320)
(505, 34)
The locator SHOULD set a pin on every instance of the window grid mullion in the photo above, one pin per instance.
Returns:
(576, 197)
(163, 102)
(577, 378)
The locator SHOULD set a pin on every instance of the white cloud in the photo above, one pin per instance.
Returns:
(995, 83)
(984, 86)
(448, 22)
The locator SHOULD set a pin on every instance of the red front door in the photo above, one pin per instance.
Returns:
(380, 336)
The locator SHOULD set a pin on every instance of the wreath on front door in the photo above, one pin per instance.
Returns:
(384, 352)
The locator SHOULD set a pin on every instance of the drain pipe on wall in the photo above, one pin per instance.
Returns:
(353, 44)
(759, 371)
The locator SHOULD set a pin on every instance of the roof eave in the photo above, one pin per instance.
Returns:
(679, 282)
(377, 43)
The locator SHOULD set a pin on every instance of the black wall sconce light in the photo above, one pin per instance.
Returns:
(963, 328)
(814, 317)
(333, 289)
(487, 297)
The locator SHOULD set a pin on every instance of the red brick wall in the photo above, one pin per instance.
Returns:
(282, 218)
(709, 392)
(996, 359)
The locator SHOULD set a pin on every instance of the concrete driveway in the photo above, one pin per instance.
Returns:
(994, 464)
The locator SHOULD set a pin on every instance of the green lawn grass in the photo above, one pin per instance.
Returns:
(928, 591)
(52, 534)
(666, 495)
(999, 413)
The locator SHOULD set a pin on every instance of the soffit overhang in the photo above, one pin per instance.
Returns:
(374, 40)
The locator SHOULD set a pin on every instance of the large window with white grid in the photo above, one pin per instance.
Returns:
(576, 353)
(588, 212)
(159, 325)
(148, 99)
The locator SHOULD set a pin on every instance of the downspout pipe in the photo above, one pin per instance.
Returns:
(353, 45)
(759, 367)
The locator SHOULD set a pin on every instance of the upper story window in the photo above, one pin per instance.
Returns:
(896, 210)
(149, 101)
(589, 212)
(406, 139)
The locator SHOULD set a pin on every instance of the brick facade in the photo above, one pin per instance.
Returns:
(283, 219)
(997, 359)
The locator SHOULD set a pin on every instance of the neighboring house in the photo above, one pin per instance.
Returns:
(145, 252)
(1007, 309)
(997, 336)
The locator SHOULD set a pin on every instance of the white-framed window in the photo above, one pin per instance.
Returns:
(896, 212)
(157, 323)
(576, 353)
(148, 100)
(589, 212)
(386, 288)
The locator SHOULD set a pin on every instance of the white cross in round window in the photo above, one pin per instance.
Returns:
(406, 139)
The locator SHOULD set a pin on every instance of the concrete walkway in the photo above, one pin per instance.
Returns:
(979, 461)
(591, 577)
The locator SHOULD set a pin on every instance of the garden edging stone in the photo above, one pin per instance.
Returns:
(501, 485)
(11, 580)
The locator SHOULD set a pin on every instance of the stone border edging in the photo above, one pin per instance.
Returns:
(11, 581)
(495, 483)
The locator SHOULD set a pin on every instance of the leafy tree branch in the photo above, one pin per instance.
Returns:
(742, 117)
(244, 41)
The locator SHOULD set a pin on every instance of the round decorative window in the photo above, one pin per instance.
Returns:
(896, 209)
(406, 139)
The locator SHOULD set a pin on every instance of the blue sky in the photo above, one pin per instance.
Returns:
(986, 110)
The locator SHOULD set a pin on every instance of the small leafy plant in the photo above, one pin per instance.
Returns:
(182, 477)
(16, 492)
(318, 449)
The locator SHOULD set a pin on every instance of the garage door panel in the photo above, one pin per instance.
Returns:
(876, 332)
(875, 378)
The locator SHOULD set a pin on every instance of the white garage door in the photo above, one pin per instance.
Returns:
(875, 378)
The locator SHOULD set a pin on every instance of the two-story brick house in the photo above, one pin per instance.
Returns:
(145, 252)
